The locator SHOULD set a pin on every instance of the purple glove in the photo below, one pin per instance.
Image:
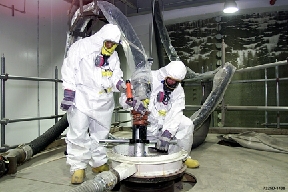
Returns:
(137, 105)
(121, 86)
(164, 141)
(67, 102)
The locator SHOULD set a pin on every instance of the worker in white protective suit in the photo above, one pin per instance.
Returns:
(166, 105)
(90, 73)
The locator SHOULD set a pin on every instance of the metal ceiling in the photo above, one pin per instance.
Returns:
(140, 7)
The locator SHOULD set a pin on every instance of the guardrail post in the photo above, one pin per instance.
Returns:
(2, 100)
(56, 95)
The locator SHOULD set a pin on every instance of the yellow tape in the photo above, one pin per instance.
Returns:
(146, 102)
(162, 112)
(107, 73)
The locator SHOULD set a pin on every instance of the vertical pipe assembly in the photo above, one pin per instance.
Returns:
(116, 116)
(277, 95)
(56, 94)
(81, 7)
(2, 100)
(38, 66)
(266, 98)
(223, 53)
(223, 102)
(151, 34)
(139, 133)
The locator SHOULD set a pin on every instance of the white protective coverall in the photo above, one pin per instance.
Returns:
(90, 117)
(168, 117)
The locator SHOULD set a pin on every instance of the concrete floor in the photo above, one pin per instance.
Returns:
(222, 168)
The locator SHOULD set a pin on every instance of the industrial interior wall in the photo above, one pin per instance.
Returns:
(251, 39)
(32, 39)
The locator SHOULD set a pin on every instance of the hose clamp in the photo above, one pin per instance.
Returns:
(28, 151)
(116, 174)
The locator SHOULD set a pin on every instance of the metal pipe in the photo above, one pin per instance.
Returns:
(114, 141)
(242, 108)
(116, 117)
(223, 53)
(266, 97)
(262, 66)
(233, 130)
(277, 95)
(258, 80)
(265, 66)
(223, 100)
(6, 121)
(56, 94)
(179, 4)
(255, 108)
(127, 141)
(81, 7)
(38, 64)
(7, 76)
(275, 124)
(13, 8)
(151, 33)
(2, 101)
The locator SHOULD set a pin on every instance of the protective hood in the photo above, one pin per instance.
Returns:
(175, 69)
(109, 32)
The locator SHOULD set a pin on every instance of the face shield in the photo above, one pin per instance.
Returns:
(108, 47)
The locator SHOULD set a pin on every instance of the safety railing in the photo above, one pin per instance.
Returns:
(5, 77)
(5, 121)
(223, 108)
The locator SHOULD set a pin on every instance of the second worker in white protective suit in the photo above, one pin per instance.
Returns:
(166, 105)
(90, 73)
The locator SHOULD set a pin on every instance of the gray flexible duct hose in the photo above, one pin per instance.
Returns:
(220, 83)
(200, 135)
(102, 182)
(107, 180)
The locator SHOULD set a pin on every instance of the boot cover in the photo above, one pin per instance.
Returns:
(100, 169)
(191, 163)
(78, 176)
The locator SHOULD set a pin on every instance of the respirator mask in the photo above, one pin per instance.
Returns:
(106, 51)
(169, 84)
(108, 47)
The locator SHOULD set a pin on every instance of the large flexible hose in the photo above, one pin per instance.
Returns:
(102, 182)
(220, 83)
(21, 154)
(41, 142)
(107, 180)
(200, 135)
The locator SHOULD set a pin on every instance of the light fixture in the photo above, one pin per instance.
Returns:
(230, 6)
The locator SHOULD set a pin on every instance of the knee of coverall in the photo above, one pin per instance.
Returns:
(184, 134)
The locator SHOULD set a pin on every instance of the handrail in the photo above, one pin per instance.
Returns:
(7, 76)
(4, 77)
(6, 121)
